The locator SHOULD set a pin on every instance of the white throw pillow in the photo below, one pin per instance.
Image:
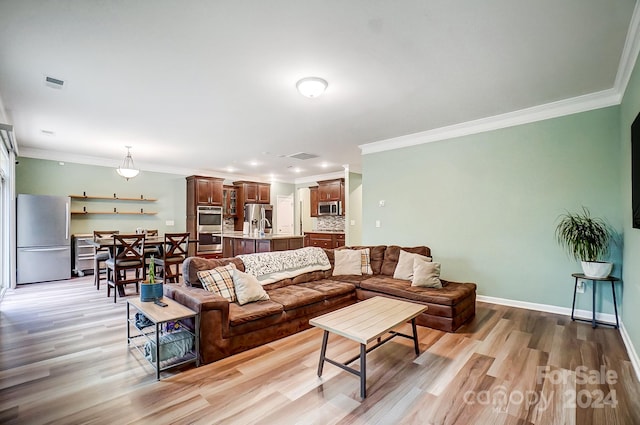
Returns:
(404, 268)
(426, 274)
(347, 261)
(248, 289)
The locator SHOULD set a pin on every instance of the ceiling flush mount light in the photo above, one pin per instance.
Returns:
(311, 86)
(128, 169)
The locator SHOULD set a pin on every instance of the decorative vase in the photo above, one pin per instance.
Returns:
(150, 291)
(596, 269)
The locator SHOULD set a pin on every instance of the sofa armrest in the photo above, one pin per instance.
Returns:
(196, 299)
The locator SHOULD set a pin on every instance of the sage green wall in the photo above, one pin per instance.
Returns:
(631, 251)
(488, 204)
(43, 177)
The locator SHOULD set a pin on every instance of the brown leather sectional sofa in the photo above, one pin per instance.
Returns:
(227, 328)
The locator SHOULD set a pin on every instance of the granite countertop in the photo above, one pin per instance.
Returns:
(268, 236)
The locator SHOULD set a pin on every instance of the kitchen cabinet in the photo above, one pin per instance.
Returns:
(331, 190)
(229, 201)
(250, 193)
(236, 245)
(203, 191)
(254, 193)
(324, 239)
(313, 201)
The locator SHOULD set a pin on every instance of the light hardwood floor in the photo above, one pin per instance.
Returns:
(64, 360)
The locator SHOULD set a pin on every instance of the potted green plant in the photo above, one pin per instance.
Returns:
(151, 290)
(586, 239)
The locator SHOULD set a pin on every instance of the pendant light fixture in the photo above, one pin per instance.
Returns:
(312, 86)
(128, 169)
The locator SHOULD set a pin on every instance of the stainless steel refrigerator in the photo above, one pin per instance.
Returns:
(44, 248)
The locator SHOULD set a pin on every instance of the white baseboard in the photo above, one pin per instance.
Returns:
(581, 314)
(633, 355)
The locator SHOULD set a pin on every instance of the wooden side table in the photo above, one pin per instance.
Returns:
(158, 315)
(594, 281)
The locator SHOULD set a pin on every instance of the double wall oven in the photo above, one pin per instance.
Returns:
(209, 229)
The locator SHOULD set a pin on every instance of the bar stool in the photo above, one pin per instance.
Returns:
(101, 255)
(129, 256)
(174, 252)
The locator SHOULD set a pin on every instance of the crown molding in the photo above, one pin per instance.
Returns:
(560, 108)
(320, 177)
(143, 166)
(584, 103)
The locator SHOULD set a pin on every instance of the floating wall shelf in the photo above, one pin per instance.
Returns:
(113, 213)
(111, 198)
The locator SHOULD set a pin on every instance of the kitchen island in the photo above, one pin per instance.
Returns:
(236, 243)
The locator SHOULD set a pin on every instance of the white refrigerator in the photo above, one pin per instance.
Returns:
(44, 242)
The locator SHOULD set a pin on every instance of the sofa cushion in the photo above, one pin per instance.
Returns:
(426, 273)
(392, 254)
(376, 255)
(330, 288)
(247, 287)
(192, 265)
(219, 281)
(294, 296)
(450, 294)
(347, 261)
(239, 314)
(404, 268)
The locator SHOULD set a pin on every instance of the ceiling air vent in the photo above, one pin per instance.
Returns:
(302, 155)
(54, 83)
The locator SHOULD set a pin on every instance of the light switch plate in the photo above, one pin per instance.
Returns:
(377, 223)
(169, 223)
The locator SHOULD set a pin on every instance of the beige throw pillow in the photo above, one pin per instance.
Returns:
(426, 274)
(404, 268)
(347, 261)
(248, 289)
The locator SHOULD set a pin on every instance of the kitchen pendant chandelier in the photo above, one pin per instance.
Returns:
(312, 86)
(128, 169)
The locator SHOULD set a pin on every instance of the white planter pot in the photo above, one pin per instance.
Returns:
(597, 269)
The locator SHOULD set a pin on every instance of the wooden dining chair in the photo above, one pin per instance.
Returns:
(150, 251)
(174, 252)
(128, 257)
(101, 255)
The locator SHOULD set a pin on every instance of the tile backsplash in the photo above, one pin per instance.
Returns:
(331, 222)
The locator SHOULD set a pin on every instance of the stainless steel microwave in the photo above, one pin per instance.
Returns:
(330, 208)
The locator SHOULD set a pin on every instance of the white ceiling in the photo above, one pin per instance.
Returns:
(202, 85)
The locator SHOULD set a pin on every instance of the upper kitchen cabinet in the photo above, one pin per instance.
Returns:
(254, 193)
(203, 191)
(230, 201)
(331, 190)
(250, 193)
(313, 198)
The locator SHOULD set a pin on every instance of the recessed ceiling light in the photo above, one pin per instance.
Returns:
(254, 163)
(297, 170)
(230, 169)
(312, 86)
(324, 165)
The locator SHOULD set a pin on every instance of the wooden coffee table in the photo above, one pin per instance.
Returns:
(363, 322)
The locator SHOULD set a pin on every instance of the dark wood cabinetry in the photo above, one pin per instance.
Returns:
(331, 190)
(237, 246)
(250, 193)
(324, 240)
(313, 197)
(229, 201)
(203, 191)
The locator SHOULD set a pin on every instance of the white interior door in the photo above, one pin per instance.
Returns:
(284, 215)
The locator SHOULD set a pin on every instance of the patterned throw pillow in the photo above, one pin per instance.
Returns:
(219, 281)
(365, 260)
